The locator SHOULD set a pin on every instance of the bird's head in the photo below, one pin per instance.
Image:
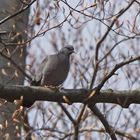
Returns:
(67, 50)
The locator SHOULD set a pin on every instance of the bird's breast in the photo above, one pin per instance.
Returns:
(57, 72)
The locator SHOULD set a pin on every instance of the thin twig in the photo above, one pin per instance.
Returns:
(16, 65)
(116, 67)
(16, 13)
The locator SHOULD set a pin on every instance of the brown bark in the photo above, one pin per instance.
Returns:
(31, 94)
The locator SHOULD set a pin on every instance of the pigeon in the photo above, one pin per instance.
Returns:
(53, 71)
(54, 68)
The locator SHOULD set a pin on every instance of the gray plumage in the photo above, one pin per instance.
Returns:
(54, 68)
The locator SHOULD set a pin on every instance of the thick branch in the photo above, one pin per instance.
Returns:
(31, 94)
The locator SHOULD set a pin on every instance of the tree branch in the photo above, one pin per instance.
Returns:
(105, 123)
(31, 94)
(17, 13)
(116, 67)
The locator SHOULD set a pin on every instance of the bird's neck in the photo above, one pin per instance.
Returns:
(64, 56)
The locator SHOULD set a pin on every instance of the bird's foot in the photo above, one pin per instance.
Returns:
(52, 87)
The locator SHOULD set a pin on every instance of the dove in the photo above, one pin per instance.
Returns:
(54, 68)
(52, 71)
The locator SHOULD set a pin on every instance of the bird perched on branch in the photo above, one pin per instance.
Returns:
(52, 71)
(54, 68)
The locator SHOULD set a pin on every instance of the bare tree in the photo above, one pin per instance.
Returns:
(104, 76)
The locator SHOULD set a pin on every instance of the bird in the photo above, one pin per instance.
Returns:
(54, 69)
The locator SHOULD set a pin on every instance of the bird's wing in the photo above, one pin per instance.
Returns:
(39, 71)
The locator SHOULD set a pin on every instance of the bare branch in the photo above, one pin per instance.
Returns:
(117, 66)
(16, 65)
(101, 117)
(17, 13)
(101, 41)
(31, 94)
